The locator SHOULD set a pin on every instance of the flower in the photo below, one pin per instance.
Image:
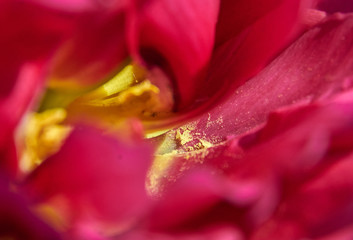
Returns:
(250, 155)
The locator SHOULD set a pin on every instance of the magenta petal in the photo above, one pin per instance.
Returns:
(95, 50)
(332, 6)
(309, 70)
(247, 12)
(243, 55)
(218, 232)
(345, 233)
(182, 33)
(68, 5)
(296, 145)
(96, 175)
(192, 194)
(25, 89)
(320, 206)
(29, 32)
(16, 219)
(317, 66)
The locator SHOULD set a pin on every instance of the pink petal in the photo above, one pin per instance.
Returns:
(345, 233)
(95, 50)
(332, 6)
(16, 219)
(24, 92)
(316, 66)
(311, 69)
(218, 232)
(98, 177)
(29, 32)
(188, 209)
(296, 144)
(68, 5)
(247, 12)
(242, 56)
(319, 207)
(192, 194)
(178, 36)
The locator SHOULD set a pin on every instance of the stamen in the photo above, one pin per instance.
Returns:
(130, 94)
(44, 134)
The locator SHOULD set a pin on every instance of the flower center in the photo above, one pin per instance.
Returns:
(133, 93)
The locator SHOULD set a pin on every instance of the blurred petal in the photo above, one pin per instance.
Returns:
(97, 177)
(29, 32)
(188, 209)
(332, 6)
(221, 232)
(68, 5)
(248, 12)
(16, 219)
(93, 53)
(192, 194)
(25, 90)
(294, 150)
(178, 36)
(319, 207)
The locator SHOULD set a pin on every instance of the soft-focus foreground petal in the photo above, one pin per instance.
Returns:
(25, 90)
(316, 66)
(176, 35)
(29, 31)
(94, 179)
(70, 5)
(295, 145)
(16, 219)
(211, 233)
(180, 212)
(321, 204)
(332, 6)
(299, 159)
(94, 52)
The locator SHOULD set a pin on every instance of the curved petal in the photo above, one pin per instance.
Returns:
(96, 179)
(318, 208)
(178, 36)
(210, 233)
(247, 12)
(332, 6)
(288, 166)
(24, 92)
(93, 53)
(29, 32)
(316, 66)
(16, 219)
(242, 56)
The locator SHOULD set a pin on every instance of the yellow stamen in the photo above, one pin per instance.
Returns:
(129, 94)
(44, 134)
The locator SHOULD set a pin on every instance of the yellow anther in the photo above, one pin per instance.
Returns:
(129, 76)
(128, 94)
(44, 134)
